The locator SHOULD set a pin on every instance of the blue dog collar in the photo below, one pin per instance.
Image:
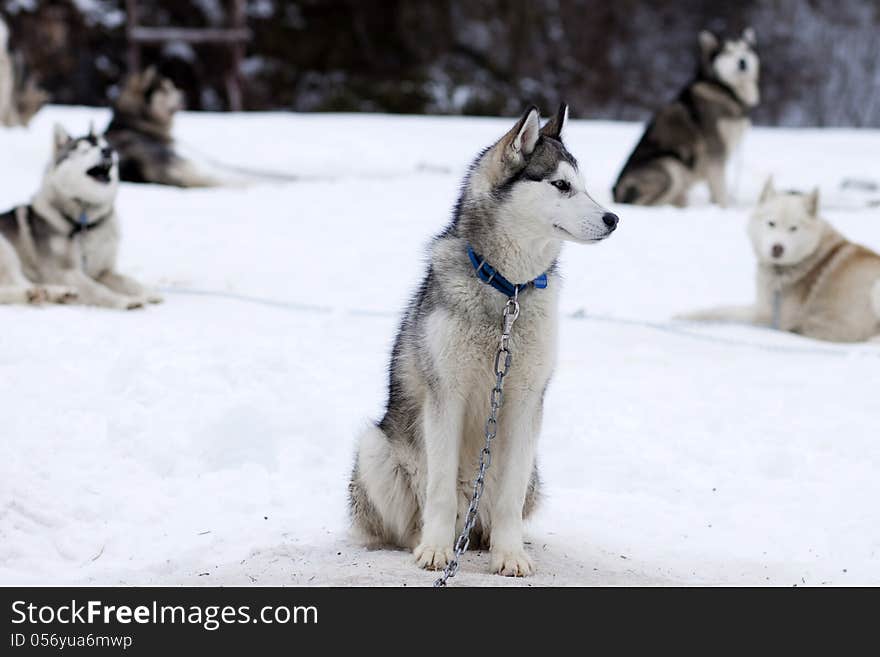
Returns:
(490, 276)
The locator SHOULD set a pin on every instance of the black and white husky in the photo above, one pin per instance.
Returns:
(523, 197)
(61, 248)
(140, 131)
(691, 139)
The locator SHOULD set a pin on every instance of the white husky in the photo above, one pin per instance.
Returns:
(811, 280)
(414, 471)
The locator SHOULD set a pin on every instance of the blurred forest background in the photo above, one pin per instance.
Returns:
(616, 60)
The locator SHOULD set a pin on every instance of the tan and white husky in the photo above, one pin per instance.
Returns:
(811, 279)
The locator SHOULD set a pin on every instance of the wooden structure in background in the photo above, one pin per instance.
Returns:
(233, 37)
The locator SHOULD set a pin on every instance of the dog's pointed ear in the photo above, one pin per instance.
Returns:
(520, 141)
(749, 37)
(708, 42)
(554, 127)
(813, 202)
(60, 138)
(768, 192)
(509, 154)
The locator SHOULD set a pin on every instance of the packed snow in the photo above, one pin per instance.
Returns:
(209, 440)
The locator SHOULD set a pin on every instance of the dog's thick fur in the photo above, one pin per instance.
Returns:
(414, 471)
(691, 139)
(813, 280)
(62, 247)
(140, 131)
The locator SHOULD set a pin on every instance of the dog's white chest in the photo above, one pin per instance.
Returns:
(60, 246)
(464, 351)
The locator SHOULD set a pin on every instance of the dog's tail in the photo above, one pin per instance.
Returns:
(624, 191)
(382, 503)
(647, 185)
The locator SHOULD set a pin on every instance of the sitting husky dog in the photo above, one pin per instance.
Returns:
(811, 280)
(413, 474)
(8, 112)
(140, 131)
(29, 96)
(20, 96)
(62, 247)
(691, 139)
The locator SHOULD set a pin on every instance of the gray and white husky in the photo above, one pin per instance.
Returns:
(811, 280)
(691, 139)
(413, 476)
(62, 247)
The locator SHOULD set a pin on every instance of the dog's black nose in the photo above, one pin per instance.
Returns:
(777, 250)
(610, 219)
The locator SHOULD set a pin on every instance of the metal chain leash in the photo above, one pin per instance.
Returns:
(496, 399)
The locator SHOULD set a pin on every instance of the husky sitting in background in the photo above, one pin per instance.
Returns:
(691, 139)
(62, 247)
(140, 131)
(8, 113)
(811, 280)
(29, 97)
(413, 476)
(20, 96)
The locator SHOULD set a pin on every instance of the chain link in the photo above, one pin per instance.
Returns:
(496, 399)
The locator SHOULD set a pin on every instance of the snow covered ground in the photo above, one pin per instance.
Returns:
(208, 440)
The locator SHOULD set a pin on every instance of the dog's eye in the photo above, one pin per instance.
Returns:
(561, 185)
(772, 224)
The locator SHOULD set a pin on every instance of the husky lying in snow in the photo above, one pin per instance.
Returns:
(413, 475)
(140, 131)
(62, 247)
(691, 139)
(811, 280)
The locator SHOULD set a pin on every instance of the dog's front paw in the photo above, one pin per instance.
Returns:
(133, 304)
(37, 295)
(432, 557)
(511, 563)
(61, 294)
(155, 297)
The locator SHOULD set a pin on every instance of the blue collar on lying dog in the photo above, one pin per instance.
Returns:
(83, 225)
(490, 276)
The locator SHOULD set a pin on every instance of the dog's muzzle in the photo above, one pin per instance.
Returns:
(102, 172)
